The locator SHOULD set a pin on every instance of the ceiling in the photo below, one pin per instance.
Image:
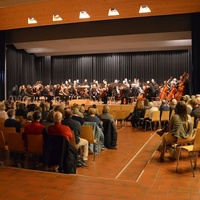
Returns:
(15, 15)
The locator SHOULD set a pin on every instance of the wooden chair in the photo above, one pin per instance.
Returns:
(180, 142)
(193, 151)
(16, 146)
(120, 116)
(34, 148)
(146, 114)
(21, 119)
(73, 140)
(7, 130)
(3, 147)
(164, 116)
(155, 119)
(88, 134)
(198, 124)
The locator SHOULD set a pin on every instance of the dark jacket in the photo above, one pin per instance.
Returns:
(59, 151)
(13, 123)
(110, 134)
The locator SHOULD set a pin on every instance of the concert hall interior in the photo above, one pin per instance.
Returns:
(109, 66)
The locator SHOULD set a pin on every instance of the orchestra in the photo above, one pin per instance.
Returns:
(126, 91)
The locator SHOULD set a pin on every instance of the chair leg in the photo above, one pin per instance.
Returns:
(178, 157)
(94, 151)
(191, 163)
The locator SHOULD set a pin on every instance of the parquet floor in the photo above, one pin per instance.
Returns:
(133, 172)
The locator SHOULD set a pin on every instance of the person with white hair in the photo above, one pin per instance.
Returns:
(3, 113)
(152, 109)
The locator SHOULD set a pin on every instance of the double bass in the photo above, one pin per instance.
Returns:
(180, 90)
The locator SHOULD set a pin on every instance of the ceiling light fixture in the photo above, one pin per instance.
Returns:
(144, 9)
(56, 17)
(83, 15)
(31, 20)
(113, 12)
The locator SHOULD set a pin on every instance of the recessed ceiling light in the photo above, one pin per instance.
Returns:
(113, 12)
(144, 9)
(56, 17)
(84, 15)
(31, 20)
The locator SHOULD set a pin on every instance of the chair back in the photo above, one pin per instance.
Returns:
(87, 133)
(196, 146)
(187, 140)
(198, 124)
(15, 142)
(7, 130)
(35, 144)
(155, 116)
(2, 141)
(21, 119)
(172, 113)
(165, 115)
(72, 139)
(146, 114)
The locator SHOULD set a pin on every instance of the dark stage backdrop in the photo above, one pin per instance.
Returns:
(24, 68)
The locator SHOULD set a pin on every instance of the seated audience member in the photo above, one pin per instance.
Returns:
(195, 111)
(180, 126)
(172, 105)
(137, 113)
(110, 130)
(21, 110)
(8, 105)
(76, 111)
(106, 115)
(29, 118)
(59, 129)
(50, 119)
(35, 127)
(92, 117)
(164, 106)
(82, 109)
(80, 142)
(152, 109)
(45, 106)
(11, 121)
(3, 113)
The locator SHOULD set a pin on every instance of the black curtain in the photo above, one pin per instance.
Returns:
(144, 65)
(21, 68)
(24, 68)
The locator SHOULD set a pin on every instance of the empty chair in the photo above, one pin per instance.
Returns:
(193, 151)
(7, 130)
(34, 148)
(164, 116)
(15, 147)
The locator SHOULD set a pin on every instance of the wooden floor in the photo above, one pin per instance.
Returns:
(133, 172)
